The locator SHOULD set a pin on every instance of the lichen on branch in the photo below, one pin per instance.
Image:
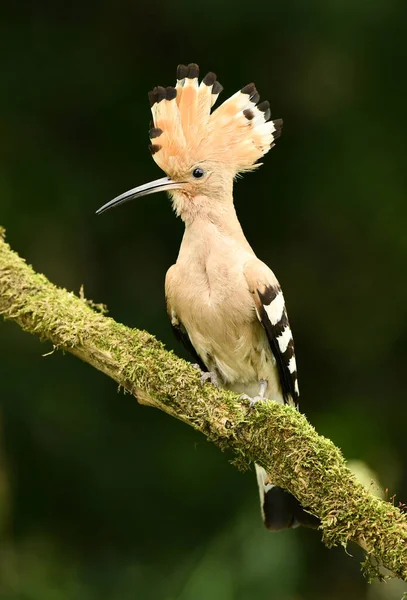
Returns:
(277, 437)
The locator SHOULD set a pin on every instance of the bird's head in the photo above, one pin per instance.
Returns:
(202, 151)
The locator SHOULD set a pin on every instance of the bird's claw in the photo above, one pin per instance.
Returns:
(253, 401)
(210, 376)
(259, 397)
(207, 376)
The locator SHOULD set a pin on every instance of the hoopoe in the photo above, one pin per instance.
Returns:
(224, 304)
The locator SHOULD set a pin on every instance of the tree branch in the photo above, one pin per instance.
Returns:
(277, 437)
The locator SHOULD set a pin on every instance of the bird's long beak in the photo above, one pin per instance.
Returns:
(159, 185)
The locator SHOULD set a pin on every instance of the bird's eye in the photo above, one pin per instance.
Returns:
(198, 172)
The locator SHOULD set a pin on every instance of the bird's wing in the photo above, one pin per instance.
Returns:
(178, 328)
(271, 311)
(182, 336)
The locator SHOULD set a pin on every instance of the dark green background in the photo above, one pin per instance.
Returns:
(99, 497)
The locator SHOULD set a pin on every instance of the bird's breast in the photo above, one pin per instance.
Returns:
(213, 302)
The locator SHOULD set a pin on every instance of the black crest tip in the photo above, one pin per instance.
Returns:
(171, 93)
(209, 79)
(265, 107)
(248, 89)
(154, 148)
(217, 88)
(155, 132)
(249, 114)
(182, 71)
(193, 71)
(161, 93)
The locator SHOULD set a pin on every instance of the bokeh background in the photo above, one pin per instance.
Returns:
(100, 498)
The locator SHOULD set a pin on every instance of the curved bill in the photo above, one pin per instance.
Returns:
(159, 185)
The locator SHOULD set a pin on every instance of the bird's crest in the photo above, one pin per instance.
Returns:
(185, 131)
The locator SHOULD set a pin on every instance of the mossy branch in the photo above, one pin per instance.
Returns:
(277, 437)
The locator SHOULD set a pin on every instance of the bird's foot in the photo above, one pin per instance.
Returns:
(210, 376)
(207, 376)
(260, 396)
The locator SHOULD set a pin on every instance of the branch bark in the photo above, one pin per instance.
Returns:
(277, 437)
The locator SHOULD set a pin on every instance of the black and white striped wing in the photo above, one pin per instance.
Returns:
(272, 313)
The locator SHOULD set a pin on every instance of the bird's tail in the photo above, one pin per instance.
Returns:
(280, 509)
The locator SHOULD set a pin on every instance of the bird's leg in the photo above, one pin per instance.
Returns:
(260, 396)
(211, 376)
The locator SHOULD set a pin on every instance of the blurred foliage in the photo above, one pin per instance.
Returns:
(98, 496)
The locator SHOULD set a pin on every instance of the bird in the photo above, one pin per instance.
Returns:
(225, 305)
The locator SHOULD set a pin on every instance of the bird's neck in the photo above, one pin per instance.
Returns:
(215, 224)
